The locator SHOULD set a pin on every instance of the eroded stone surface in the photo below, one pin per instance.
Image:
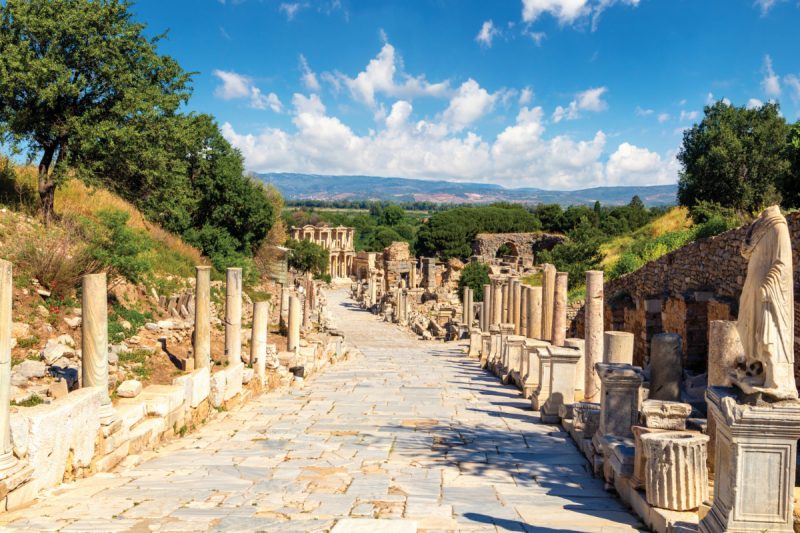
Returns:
(410, 432)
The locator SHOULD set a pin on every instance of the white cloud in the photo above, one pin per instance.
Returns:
(469, 104)
(688, 115)
(588, 100)
(793, 82)
(290, 9)
(536, 36)
(526, 96)
(379, 77)
(520, 155)
(487, 33)
(765, 5)
(771, 84)
(753, 103)
(631, 164)
(569, 11)
(237, 86)
(663, 117)
(309, 77)
(643, 112)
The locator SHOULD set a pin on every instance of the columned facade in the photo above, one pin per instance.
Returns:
(340, 243)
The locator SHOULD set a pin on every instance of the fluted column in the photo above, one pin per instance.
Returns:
(201, 342)
(94, 340)
(559, 333)
(593, 326)
(675, 476)
(7, 459)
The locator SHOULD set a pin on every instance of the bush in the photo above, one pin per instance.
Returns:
(306, 256)
(714, 226)
(475, 275)
(119, 248)
(627, 263)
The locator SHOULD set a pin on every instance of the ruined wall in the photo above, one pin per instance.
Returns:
(526, 245)
(683, 291)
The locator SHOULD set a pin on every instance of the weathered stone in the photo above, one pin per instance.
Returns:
(196, 386)
(593, 333)
(293, 336)
(559, 333)
(619, 406)
(666, 367)
(676, 476)
(233, 316)
(94, 340)
(562, 382)
(618, 347)
(201, 340)
(129, 389)
(658, 414)
(548, 299)
(724, 348)
(31, 369)
(534, 312)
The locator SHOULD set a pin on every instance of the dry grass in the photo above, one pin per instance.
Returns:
(674, 220)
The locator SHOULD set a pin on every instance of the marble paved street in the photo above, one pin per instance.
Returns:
(410, 437)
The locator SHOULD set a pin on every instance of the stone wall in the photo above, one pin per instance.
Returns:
(682, 291)
(486, 245)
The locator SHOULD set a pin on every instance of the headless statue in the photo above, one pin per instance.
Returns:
(766, 310)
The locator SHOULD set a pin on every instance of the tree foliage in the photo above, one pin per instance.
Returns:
(474, 275)
(306, 256)
(83, 89)
(735, 156)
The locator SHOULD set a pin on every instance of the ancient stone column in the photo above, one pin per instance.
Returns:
(284, 310)
(618, 347)
(560, 310)
(293, 337)
(468, 308)
(506, 297)
(7, 459)
(497, 303)
(487, 308)
(523, 310)
(535, 313)
(307, 305)
(666, 367)
(258, 338)
(516, 302)
(202, 317)
(562, 382)
(548, 296)
(94, 341)
(675, 477)
(593, 326)
(724, 346)
(233, 315)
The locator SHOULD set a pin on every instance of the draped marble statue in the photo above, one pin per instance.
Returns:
(766, 310)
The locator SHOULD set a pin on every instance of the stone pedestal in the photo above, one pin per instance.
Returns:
(756, 449)
(580, 368)
(515, 346)
(94, 341)
(675, 476)
(542, 391)
(586, 418)
(494, 345)
(201, 341)
(562, 382)
(593, 326)
(559, 333)
(233, 316)
(475, 338)
(548, 294)
(486, 347)
(258, 335)
(501, 362)
(293, 335)
(666, 367)
(535, 313)
(530, 366)
(618, 347)
(658, 414)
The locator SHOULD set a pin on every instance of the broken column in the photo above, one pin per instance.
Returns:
(535, 313)
(201, 341)
(523, 310)
(666, 367)
(559, 310)
(724, 346)
(293, 336)
(258, 339)
(516, 301)
(233, 315)
(593, 325)
(562, 382)
(548, 296)
(7, 459)
(618, 347)
(676, 476)
(94, 341)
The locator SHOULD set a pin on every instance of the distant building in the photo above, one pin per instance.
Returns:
(339, 242)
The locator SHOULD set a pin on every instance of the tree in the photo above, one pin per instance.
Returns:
(78, 78)
(734, 157)
(306, 256)
(474, 275)
(393, 215)
(790, 184)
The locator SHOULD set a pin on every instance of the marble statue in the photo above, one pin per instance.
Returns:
(766, 310)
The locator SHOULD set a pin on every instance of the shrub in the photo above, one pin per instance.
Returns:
(306, 256)
(714, 226)
(119, 248)
(628, 262)
(475, 275)
(116, 333)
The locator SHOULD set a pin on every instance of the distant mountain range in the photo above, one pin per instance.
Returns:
(317, 187)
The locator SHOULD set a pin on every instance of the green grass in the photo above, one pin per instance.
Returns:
(29, 342)
(33, 401)
(534, 280)
(136, 361)
(116, 333)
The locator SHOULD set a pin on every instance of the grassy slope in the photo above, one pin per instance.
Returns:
(676, 219)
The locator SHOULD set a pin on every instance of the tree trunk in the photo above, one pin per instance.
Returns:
(47, 185)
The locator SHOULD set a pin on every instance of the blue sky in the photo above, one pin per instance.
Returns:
(557, 94)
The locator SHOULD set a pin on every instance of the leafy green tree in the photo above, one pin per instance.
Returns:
(734, 157)
(393, 215)
(77, 78)
(383, 237)
(790, 182)
(579, 253)
(306, 256)
(474, 275)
